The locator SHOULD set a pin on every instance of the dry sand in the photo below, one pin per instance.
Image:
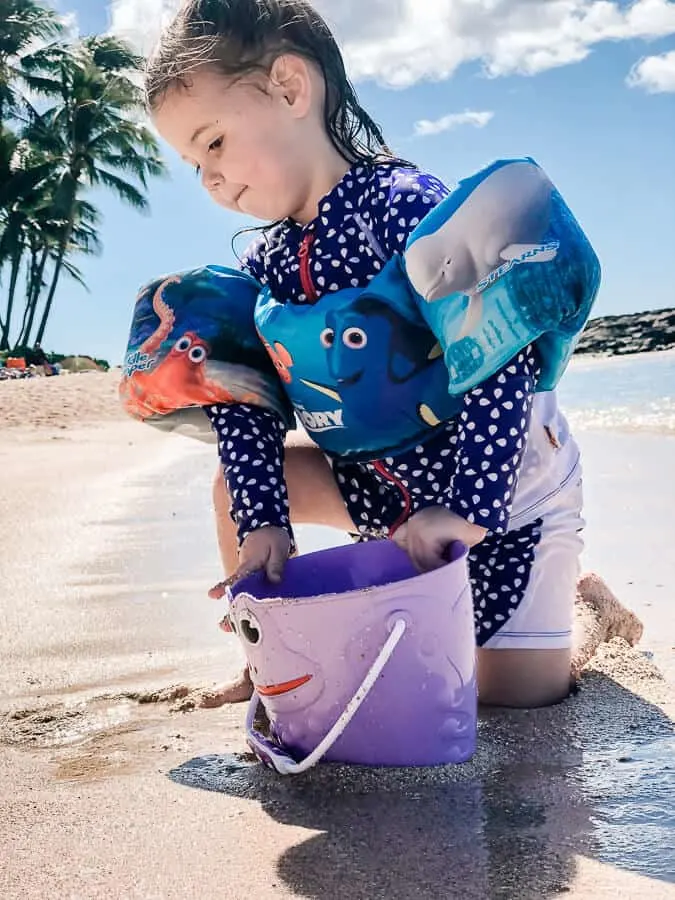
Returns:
(60, 403)
(105, 554)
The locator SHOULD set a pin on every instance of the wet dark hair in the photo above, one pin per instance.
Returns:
(239, 37)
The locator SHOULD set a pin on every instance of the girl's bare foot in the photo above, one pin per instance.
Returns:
(237, 691)
(218, 591)
(599, 617)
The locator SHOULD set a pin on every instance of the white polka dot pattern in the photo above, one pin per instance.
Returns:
(370, 213)
(499, 571)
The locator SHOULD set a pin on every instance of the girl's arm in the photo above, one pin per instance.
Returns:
(490, 441)
(487, 452)
(251, 450)
(492, 427)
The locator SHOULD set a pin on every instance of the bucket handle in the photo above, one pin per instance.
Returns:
(276, 758)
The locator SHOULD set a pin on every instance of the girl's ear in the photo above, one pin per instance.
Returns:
(291, 84)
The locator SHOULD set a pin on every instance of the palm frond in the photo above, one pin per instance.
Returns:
(124, 190)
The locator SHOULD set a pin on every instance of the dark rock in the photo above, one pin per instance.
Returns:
(635, 333)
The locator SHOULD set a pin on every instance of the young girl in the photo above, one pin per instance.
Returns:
(253, 94)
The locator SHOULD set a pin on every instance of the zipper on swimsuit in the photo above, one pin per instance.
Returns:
(305, 274)
(385, 473)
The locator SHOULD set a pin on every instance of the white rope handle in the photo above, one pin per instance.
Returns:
(282, 761)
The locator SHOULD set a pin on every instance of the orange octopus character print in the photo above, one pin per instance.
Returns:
(193, 344)
(178, 380)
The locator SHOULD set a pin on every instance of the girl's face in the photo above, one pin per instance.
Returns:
(251, 146)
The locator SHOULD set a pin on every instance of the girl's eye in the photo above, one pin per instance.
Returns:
(215, 145)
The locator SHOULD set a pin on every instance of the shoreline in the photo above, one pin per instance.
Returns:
(605, 357)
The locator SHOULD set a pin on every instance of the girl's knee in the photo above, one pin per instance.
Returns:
(523, 678)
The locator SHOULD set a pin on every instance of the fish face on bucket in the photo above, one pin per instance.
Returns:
(285, 678)
(377, 673)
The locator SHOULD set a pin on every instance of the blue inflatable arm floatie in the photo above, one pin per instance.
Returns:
(499, 264)
(193, 343)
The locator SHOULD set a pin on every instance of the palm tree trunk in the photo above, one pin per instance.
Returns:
(13, 279)
(30, 280)
(63, 246)
(74, 179)
(33, 298)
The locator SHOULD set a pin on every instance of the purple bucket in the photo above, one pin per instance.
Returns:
(357, 658)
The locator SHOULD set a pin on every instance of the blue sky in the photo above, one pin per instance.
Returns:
(608, 146)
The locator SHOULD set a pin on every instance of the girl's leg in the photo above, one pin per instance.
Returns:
(529, 678)
(559, 620)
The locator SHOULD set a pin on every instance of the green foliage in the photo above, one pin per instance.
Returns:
(86, 133)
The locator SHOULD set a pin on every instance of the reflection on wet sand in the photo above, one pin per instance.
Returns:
(545, 788)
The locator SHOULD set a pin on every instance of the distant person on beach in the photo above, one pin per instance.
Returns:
(38, 357)
(254, 96)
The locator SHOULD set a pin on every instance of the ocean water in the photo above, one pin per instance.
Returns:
(633, 393)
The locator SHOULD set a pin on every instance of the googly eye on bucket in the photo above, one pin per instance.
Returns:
(358, 658)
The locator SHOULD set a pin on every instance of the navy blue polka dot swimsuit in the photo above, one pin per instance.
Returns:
(469, 465)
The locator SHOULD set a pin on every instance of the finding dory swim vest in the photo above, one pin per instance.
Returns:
(497, 265)
(363, 370)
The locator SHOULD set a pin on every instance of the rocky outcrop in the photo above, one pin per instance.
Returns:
(636, 333)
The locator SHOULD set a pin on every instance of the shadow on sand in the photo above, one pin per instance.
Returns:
(594, 777)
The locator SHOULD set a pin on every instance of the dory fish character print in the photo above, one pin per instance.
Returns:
(349, 351)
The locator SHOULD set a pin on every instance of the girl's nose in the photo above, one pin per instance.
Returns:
(212, 179)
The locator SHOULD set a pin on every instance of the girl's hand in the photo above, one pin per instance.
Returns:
(427, 534)
(265, 548)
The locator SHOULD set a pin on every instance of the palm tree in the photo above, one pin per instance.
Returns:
(91, 134)
(42, 246)
(30, 226)
(22, 24)
(86, 133)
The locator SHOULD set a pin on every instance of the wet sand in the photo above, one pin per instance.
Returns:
(106, 553)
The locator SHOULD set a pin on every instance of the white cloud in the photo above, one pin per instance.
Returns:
(401, 42)
(428, 127)
(71, 26)
(141, 21)
(655, 74)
